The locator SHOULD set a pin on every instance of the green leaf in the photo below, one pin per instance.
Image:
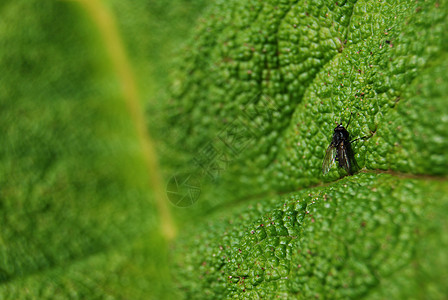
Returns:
(79, 216)
(309, 65)
(82, 210)
(369, 235)
(279, 76)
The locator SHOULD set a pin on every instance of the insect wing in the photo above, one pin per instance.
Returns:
(343, 157)
(330, 156)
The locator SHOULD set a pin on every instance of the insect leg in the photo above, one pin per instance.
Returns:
(360, 138)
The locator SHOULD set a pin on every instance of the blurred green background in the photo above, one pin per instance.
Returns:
(78, 215)
(104, 104)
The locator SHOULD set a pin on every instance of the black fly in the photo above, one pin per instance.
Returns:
(340, 150)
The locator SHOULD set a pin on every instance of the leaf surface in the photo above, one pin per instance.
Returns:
(260, 86)
(78, 216)
(280, 75)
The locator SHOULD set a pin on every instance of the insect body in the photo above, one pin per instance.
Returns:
(340, 150)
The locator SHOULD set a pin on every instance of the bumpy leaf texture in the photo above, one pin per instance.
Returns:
(261, 88)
